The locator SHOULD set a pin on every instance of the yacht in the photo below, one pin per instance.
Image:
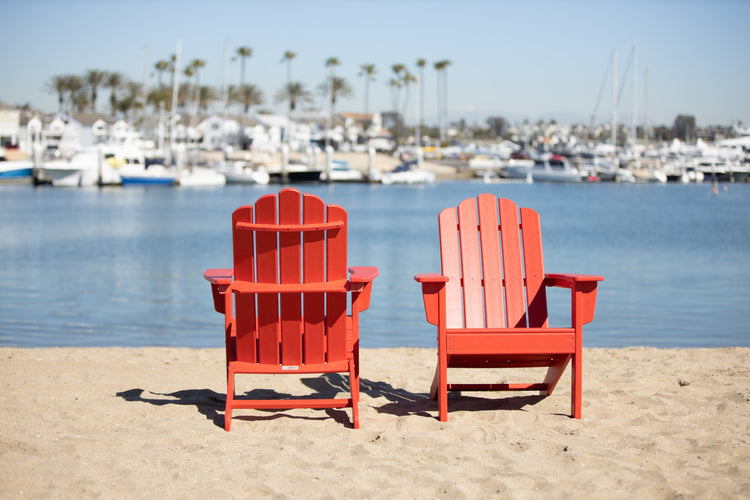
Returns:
(547, 168)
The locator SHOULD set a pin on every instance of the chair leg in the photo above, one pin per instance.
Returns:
(354, 390)
(230, 401)
(576, 388)
(439, 389)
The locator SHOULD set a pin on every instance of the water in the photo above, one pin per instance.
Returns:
(123, 266)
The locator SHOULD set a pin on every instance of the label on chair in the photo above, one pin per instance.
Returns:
(289, 368)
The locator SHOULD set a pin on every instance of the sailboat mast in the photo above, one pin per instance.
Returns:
(614, 109)
(635, 105)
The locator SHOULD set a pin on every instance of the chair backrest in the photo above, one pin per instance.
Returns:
(495, 265)
(289, 239)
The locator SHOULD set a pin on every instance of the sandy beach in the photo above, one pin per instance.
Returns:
(134, 423)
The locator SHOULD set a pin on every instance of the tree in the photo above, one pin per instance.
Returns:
(76, 87)
(161, 66)
(59, 84)
(368, 71)
(396, 83)
(340, 88)
(247, 95)
(114, 82)
(243, 53)
(206, 95)
(294, 92)
(159, 95)
(421, 63)
(95, 78)
(442, 92)
(287, 57)
(407, 81)
(129, 100)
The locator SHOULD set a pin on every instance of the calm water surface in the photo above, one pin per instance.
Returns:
(123, 266)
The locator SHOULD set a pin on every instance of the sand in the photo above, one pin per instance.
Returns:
(147, 422)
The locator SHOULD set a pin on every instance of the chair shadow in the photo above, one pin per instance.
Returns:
(400, 401)
(403, 403)
(211, 404)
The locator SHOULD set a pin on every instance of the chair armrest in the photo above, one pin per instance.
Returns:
(433, 287)
(360, 279)
(220, 280)
(568, 280)
(363, 274)
(582, 291)
(430, 278)
(219, 276)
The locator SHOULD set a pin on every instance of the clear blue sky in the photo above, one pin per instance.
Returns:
(517, 59)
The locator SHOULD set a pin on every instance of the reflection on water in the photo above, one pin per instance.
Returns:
(123, 266)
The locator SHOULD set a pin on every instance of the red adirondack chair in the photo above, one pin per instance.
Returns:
(285, 301)
(490, 304)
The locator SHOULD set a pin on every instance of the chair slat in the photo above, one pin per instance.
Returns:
(536, 293)
(290, 272)
(491, 258)
(451, 267)
(512, 265)
(314, 272)
(246, 333)
(267, 272)
(336, 302)
(471, 269)
(243, 245)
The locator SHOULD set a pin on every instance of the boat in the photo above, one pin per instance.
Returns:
(14, 170)
(722, 170)
(296, 171)
(196, 176)
(547, 168)
(340, 171)
(89, 166)
(243, 172)
(152, 174)
(407, 173)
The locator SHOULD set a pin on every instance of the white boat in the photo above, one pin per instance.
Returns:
(14, 170)
(242, 172)
(341, 172)
(406, 174)
(720, 169)
(548, 168)
(89, 166)
(153, 174)
(200, 176)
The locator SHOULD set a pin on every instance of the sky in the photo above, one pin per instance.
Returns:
(522, 60)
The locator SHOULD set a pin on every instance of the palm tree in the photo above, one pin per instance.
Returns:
(130, 100)
(76, 87)
(442, 92)
(161, 66)
(59, 85)
(339, 88)
(368, 71)
(287, 57)
(95, 78)
(294, 92)
(395, 84)
(421, 63)
(247, 95)
(160, 95)
(243, 53)
(206, 95)
(114, 82)
(407, 80)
